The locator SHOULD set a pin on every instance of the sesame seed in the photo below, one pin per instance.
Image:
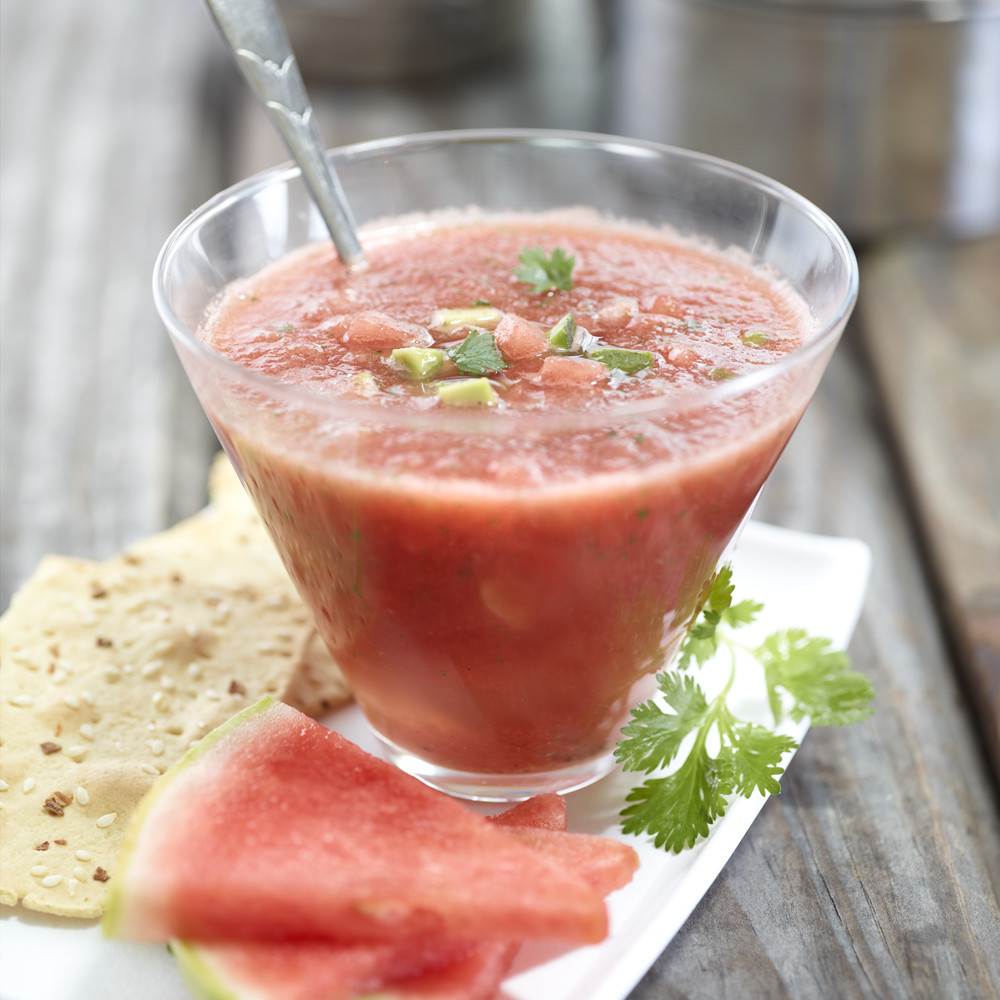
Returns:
(72, 701)
(163, 646)
(87, 731)
(266, 647)
(192, 630)
(174, 728)
(194, 670)
(28, 785)
(161, 702)
(151, 668)
(106, 820)
(155, 747)
(167, 683)
(20, 656)
(83, 797)
(50, 881)
(59, 677)
(212, 694)
(77, 753)
(83, 855)
(71, 885)
(87, 697)
(39, 871)
(112, 675)
(127, 668)
(149, 769)
(3, 785)
(79, 873)
(22, 701)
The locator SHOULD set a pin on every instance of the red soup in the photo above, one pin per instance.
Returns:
(506, 526)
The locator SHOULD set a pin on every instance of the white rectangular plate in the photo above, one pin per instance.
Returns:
(802, 580)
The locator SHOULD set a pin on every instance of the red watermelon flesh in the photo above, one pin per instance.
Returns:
(275, 827)
(422, 969)
(544, 812)
(605, 864)
(426, 968)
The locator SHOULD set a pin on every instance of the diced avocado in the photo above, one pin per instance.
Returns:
(563, 335)
(486, 317)
(419, 362)
(622, 358)
(467, 392)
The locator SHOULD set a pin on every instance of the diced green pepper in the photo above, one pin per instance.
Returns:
(419, 362)
(486, 317)
(467, 392)
(563, 335)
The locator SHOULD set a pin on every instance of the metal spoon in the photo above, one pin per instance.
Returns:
(256, 36)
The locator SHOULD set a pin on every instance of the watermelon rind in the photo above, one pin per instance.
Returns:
(111, 923)
(198, 975)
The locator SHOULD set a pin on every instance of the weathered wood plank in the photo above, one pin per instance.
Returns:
(932, 323)
(102, 156)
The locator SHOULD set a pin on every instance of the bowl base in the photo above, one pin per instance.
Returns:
(487, 787)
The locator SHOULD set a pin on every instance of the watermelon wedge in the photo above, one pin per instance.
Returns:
(426, 968)
(274, 827)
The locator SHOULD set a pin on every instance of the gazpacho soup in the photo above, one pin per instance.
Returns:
(506, 457)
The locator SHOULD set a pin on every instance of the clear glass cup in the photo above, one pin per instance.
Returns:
(496, 630)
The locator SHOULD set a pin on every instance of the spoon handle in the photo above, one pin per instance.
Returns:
(254, 31)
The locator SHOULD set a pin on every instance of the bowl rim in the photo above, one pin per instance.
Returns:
(824, 338)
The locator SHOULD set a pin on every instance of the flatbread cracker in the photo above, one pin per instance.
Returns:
(110, 670)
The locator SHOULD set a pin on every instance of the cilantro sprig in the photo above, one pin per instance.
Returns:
(727, 756)
(478, 354)
(545, 272)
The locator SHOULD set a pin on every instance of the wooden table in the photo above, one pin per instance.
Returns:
(877, 872)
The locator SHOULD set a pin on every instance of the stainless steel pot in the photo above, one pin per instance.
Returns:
(886, 113)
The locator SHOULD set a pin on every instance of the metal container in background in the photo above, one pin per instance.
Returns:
(886, 113)
(391, 41)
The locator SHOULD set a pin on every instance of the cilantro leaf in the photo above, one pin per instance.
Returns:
(478, 354)
(653, 737)
(804, 678)
(543, 272)
(701, 643)
(757, 758)
(680, 808)
(822, 686)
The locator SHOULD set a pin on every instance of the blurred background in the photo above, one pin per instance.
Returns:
(119, 117)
